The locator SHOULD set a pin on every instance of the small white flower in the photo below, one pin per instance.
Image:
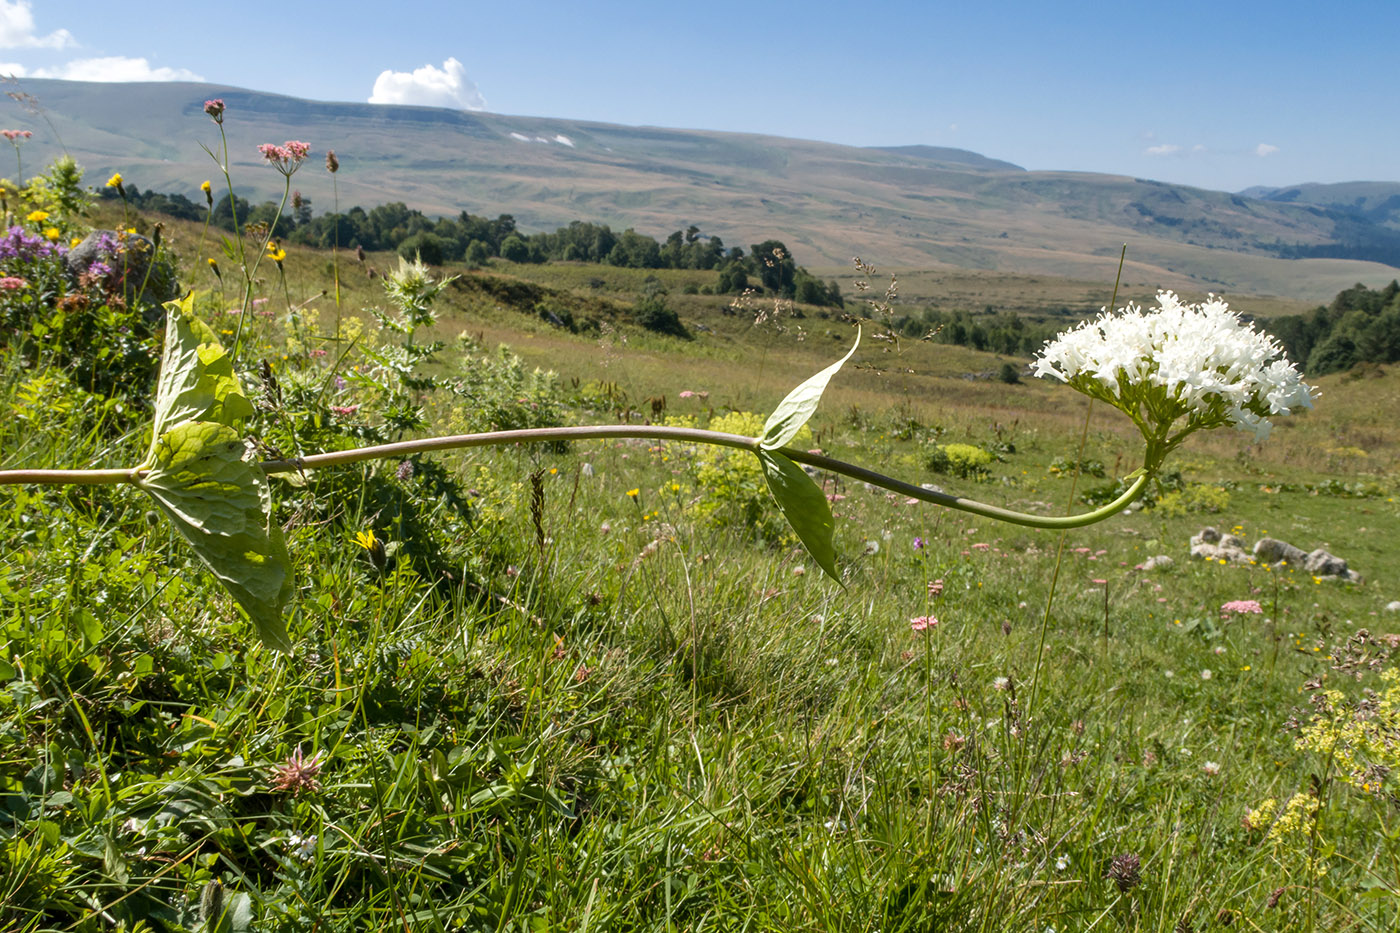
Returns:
(1001, 683)
(1062, 863)
(1219, 649)
(1205, 673)
(1211, 768)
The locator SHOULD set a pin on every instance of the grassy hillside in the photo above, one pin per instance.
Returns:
(912, 207)
(599, 687)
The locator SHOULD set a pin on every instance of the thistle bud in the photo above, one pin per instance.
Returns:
(332, 163)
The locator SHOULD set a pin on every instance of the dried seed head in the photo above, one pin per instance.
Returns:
(332, 163)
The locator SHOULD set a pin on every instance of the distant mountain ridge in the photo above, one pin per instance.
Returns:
(902, 206)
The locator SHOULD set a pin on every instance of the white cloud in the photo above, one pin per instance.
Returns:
(113, 68)
(1264, 149)
(428, 86)
(17, 29)
(1165, 149)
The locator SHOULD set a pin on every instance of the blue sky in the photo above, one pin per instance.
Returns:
(1223, 94)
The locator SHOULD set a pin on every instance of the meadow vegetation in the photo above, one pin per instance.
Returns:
(600, 686)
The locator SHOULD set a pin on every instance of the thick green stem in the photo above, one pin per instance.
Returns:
(645, 432)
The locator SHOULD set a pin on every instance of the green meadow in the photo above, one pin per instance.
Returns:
(600, 686)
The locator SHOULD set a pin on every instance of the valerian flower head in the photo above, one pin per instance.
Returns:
(1198, 362)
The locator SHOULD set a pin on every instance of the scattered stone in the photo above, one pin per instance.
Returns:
(1210, 544)
(131, 272)
(1273, 551)
(1208, 535)
(1323, 564)
(1159, 562)
(1216, 552)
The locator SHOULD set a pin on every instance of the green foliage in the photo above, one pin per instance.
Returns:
(967, 461)
(735, 489)
(220, 504)
(654, 313)
(1361, 325)
(1195, 497)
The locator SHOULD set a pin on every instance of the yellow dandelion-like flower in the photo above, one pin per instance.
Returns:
(206, 187)
(115, 181)
(634, 493)
(366, 539)
(73, 243)
(276, 253)
(52, 234)
(38, 217)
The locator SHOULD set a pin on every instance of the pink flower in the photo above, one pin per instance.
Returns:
(286, 158)
(980, 547)
(936, 588)
(686, 393)
(1099, 582)
(920, 623)
(12, 283)
(344, 409)
(1242, 605)
(215, 109)
(13, 135)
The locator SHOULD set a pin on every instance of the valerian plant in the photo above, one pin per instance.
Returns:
(1173, 371)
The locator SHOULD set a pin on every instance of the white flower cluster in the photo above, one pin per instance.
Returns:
(1200, 360)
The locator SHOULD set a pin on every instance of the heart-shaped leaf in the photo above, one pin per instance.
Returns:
(804, 505)
(221, 504)
(792, 413)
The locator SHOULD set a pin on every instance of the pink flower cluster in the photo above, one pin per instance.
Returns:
(215, 109)
(13, 135)
(921, 623)
(12, 283)
(286, 157)
(1242, 606)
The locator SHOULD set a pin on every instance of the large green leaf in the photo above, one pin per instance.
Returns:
(221, 504)
(804, 505)
(792, 413)
(197, 381)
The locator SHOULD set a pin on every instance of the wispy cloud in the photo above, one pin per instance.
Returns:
(113, 68)
(1165, 149)
(429, 86)
(17, 29)
(1264, 149)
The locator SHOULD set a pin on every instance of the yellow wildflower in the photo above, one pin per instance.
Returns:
(52, 234)
(73, 243)
(634, 493)
(38, 217)
(115, 181)
(276, 253)
(366, 539)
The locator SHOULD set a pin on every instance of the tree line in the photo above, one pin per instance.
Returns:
(767, 266)
(1361, 325)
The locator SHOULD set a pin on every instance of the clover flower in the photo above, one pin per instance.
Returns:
(215, 109)
(297, 773)
(922, 623)
(1200, 362)
(15, 135)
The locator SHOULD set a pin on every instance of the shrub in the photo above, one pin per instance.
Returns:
(1196, 497)
(732, 480)
(964, 460)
